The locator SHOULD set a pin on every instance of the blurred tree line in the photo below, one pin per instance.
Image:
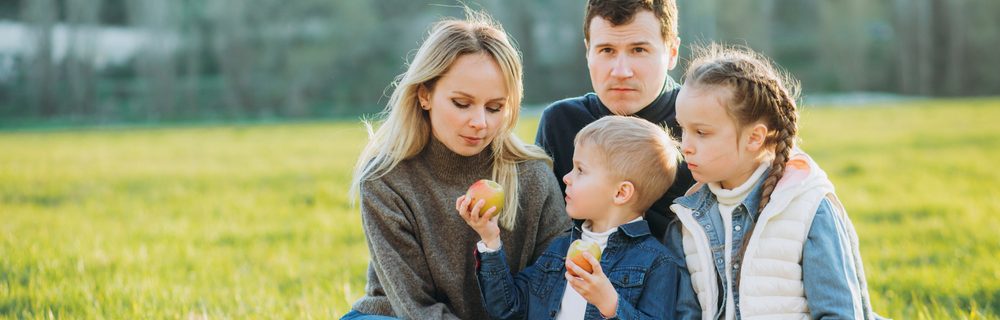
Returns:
(100, 61)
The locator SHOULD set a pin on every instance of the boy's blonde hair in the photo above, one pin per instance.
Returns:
(634, 150)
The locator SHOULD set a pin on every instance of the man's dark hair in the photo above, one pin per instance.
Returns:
(620, 12)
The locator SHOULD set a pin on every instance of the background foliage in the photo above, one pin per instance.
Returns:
(113, 61)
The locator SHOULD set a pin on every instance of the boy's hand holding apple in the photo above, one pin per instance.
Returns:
(585, 275)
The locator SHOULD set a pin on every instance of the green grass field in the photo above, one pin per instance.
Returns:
(254, 221)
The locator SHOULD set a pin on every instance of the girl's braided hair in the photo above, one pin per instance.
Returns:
(760, 93)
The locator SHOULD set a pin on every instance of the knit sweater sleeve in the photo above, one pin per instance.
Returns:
(553, 219)
(395, 254)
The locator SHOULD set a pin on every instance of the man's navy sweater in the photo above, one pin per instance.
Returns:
(562, 120)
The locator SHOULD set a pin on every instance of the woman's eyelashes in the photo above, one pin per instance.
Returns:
(461, 104)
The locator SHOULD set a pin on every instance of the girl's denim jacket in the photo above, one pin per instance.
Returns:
(645, 275)
(830, 281)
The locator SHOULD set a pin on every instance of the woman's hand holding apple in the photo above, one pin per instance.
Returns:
(484, 224)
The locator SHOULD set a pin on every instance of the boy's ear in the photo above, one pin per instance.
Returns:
(757, 137)
(626, 190)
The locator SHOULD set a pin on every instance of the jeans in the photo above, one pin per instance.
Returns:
(354, 315)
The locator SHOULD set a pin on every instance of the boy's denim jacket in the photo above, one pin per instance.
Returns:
(642, 270)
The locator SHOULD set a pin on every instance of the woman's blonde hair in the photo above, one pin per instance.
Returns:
(405, 128)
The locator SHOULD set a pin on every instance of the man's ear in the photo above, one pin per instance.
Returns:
(673, 49)
(424, 96)
(626, 190)
(757, 137)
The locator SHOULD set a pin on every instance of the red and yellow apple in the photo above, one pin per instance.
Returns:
(576, 250)
(487, 190)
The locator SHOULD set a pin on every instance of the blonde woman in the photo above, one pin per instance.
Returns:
(449, 123)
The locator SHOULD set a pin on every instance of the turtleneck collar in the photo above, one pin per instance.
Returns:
(601, 238)
(450, 166)
(732, 197)
(657, 111)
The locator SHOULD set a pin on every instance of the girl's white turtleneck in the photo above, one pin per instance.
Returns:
(729, 199)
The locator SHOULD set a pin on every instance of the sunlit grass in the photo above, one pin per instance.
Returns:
(254, 221)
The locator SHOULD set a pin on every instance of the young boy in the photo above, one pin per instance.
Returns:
(621, 165)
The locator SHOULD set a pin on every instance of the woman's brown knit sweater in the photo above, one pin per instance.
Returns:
(422, 263)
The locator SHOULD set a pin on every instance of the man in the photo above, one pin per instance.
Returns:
(631, 44)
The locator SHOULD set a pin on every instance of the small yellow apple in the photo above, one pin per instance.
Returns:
(488, 190)
(576, 250)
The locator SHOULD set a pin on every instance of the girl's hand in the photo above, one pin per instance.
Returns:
(485, 226)
(594, 287)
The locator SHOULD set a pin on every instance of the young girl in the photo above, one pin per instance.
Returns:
(762, 232)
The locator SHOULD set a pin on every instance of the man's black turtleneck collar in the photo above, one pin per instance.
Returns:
(661, 111)
(562, 120)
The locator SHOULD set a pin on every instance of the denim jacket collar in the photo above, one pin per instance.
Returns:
(703, 199)
(632, 230)
(635, 229)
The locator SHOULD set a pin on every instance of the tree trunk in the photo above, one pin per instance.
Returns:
(41, 16)
(956, 37)
(79, 63)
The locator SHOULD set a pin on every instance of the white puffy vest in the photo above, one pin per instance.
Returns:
(771, 283)
(771, 276)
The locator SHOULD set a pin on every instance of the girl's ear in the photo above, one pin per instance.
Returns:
(757, 138)
(424, 96)
(626, 190)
